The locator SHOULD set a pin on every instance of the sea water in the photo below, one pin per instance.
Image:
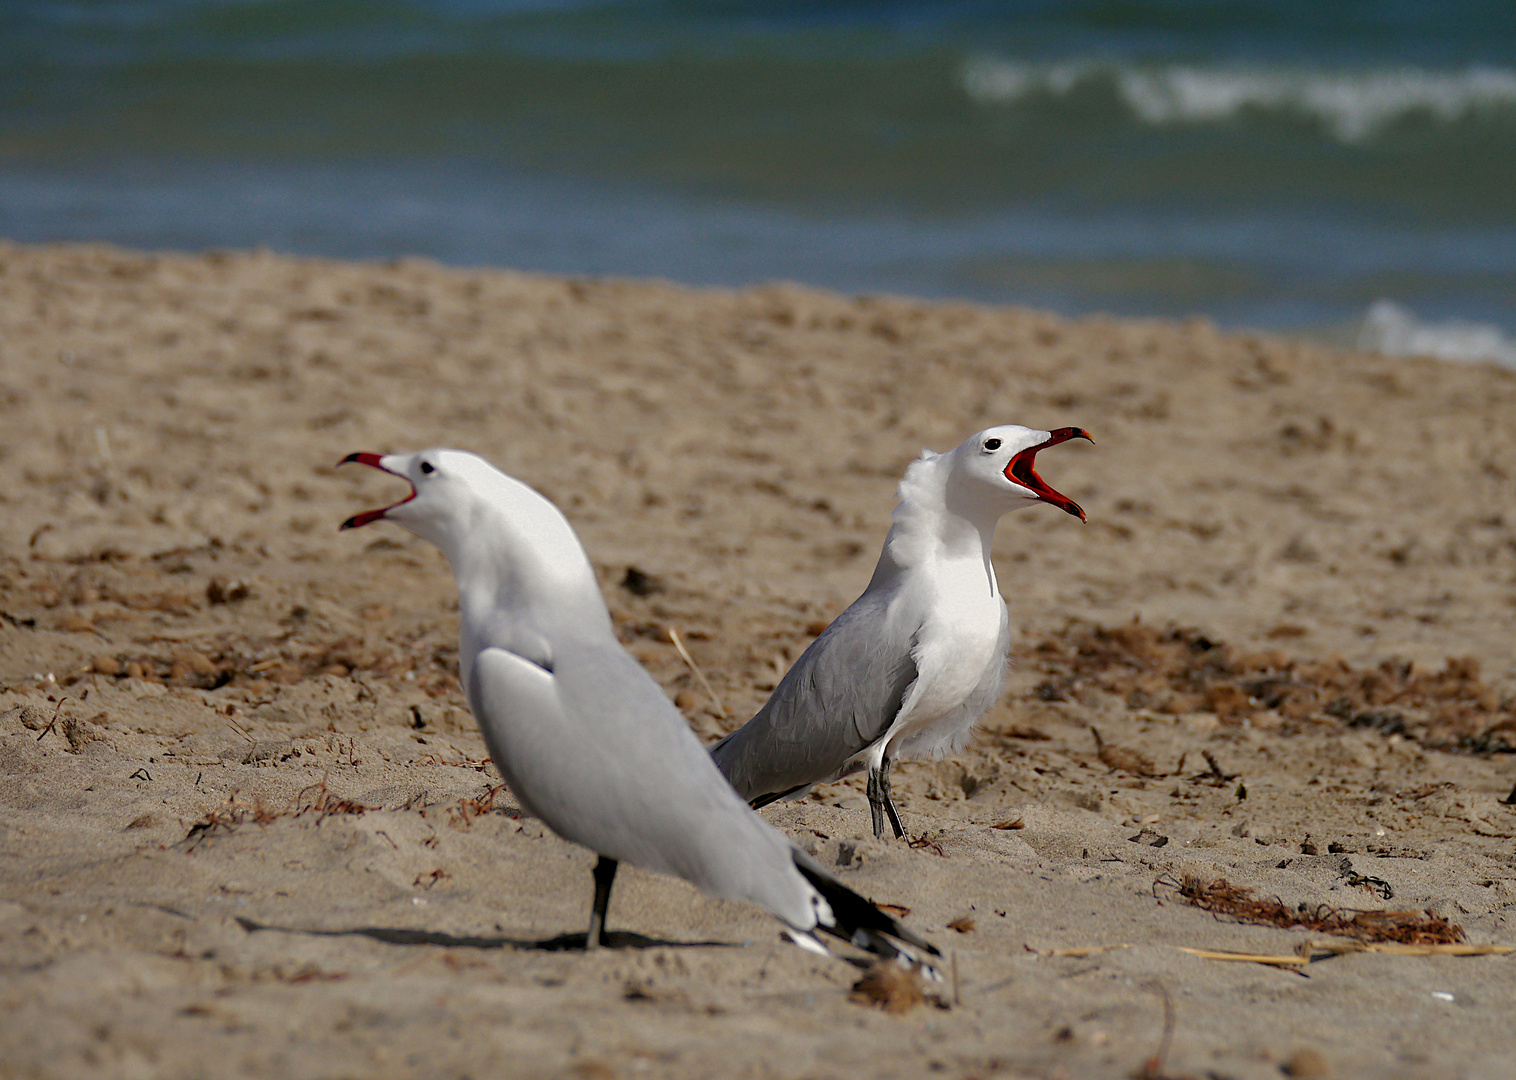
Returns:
(1342, 168)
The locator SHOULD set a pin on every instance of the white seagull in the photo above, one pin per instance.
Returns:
(909, 667)
(585, 738)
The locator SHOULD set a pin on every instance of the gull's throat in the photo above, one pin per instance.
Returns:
(1022, 470)
(374, 461)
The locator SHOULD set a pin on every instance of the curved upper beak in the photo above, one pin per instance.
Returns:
(1023, 470)
(373, 461)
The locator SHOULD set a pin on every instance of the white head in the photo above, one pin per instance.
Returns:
(496, 532)
(997, 468)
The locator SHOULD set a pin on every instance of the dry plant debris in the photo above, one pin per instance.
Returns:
(316, 799)
(1179, 669)
(1337, 948)
(91, 595)
(1221, 897)
(1078, 952)
(462, 816)
(1121, 758)
(889, 986)
(1215, 776)
(1156, 1067)
(1289, 960)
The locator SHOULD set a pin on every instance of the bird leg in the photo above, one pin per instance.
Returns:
(605, 873)
(876, 805)
(880, 802)
(889, 803)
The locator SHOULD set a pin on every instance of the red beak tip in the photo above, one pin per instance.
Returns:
(368, 517)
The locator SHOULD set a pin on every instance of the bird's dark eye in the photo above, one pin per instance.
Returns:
(427, 468)
(992, 444)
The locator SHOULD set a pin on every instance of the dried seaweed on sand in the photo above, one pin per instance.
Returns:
(1220, 897)
(316, 799)
(1177, 669)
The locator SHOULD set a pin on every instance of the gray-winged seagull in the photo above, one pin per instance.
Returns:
(915, 660)
(585, 738)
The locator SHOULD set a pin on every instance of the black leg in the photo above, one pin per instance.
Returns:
(876, 801)
(605, 873)
(889, 803)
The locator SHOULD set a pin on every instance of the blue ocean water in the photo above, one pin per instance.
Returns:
(1282, 164)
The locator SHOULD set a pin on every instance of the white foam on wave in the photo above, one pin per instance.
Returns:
(1392, 330)
(1354, 106)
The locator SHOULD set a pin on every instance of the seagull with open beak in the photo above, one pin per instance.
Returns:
(585, 738)
(915, 660)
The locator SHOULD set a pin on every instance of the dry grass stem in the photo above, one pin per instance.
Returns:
(1272, 959)
(1337, 948)
(1079, 952)
(685, 655)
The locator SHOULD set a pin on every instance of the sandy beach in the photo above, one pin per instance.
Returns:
(248, 828)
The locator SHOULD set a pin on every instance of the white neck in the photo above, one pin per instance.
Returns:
(938, 521)
(522, 575)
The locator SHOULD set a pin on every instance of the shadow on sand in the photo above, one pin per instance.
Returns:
(616, 939)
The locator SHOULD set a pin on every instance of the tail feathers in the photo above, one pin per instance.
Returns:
(858, 922)
(776, 796)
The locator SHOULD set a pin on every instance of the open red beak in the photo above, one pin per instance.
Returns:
(1023, 470)
(373, 461)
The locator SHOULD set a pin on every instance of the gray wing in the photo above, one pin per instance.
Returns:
(597, 751)
(840, 697)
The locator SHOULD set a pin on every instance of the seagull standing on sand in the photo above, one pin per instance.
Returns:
(909, 667)
(585, 738)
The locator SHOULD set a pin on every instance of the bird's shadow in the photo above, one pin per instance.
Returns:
(397, 935)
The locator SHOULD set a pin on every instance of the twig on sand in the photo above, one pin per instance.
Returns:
(1122, 759)
(1215, 776)
(54, 720)
(685, 654)
(1152, 1068)
(1286, 960)
(1078, 953)
(1339, 947)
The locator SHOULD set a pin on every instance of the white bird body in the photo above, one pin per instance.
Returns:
(584, 737)
(920, 656)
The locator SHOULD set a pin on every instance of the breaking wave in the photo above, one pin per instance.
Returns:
(1392, 330)
(1353, 106)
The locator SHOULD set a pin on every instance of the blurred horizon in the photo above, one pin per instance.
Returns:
(1280, 165)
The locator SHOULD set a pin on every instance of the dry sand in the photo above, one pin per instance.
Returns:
(218, 681)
